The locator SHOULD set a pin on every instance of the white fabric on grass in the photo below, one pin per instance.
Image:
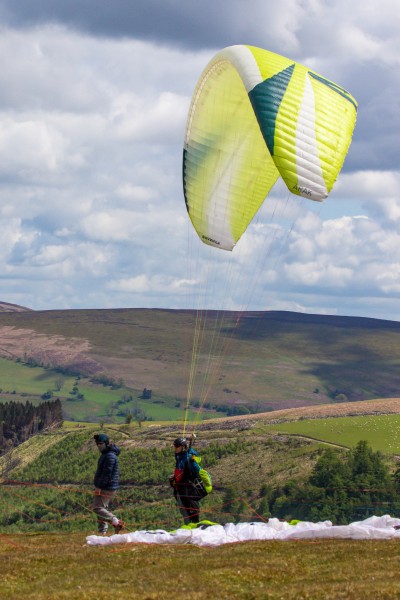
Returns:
(374, 528)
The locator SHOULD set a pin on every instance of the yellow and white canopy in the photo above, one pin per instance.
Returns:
(256, 115)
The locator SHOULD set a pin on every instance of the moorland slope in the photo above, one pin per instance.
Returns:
(7, 307)
(265, 360)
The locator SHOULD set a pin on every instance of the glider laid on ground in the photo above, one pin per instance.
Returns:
(374, 528)
(255, 116)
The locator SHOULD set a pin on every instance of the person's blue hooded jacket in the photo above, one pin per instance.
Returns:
(106, 476)
(186, 467)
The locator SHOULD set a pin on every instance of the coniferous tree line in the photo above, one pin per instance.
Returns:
(341, 488)
(19, 421)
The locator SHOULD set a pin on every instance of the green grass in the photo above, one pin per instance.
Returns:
(382, 432)
(54, 566)
(20, 382)
(22, 379)
(98, 399)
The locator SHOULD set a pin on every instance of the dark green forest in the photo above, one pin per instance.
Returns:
(343, 487)
(19, 421)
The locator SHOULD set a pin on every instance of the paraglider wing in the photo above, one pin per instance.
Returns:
(256, 115)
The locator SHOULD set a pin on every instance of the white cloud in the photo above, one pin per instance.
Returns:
(366, 184)
(378, 191)
(318, 273)
(135, 193)
(143, 283)
(160, 121)
(27, 145)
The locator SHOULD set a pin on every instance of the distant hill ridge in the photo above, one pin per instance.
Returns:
(8, 307)
(261, 360)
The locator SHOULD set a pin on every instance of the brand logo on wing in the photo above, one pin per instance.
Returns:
(204, 237)
(302, 190)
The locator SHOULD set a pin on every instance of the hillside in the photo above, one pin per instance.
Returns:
(7, 307)
(247, 428)
(381, 406)
(49, 477)
(263, 360)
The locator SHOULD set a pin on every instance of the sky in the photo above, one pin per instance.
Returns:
(94, 97)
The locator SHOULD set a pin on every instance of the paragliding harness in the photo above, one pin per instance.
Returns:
(204, 476)
(203, 482)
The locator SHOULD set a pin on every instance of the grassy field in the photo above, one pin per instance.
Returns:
(20, 382)
(382, 432)
(55, 566)
(19, 378)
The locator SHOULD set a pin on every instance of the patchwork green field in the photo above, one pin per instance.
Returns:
(382, 432)
(18, 378)
(20, 382)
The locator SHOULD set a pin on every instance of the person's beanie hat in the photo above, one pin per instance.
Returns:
(101, 437)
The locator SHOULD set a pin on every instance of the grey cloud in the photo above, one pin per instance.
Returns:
(192, 24)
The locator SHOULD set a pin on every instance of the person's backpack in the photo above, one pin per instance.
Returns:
(204, 475)
(206, 479)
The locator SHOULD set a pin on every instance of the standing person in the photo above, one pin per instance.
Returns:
(188, 488)
(106, 484)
